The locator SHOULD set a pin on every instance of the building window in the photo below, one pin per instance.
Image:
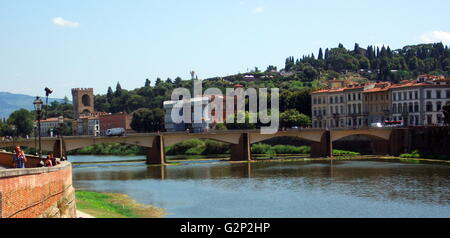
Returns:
(394, 108)
(438, 94)
(428, 94)
(416, 107)
(395, 96)
(411, 107)
(429, 107)
(416, 94)
(429, 119)
(448, 93)
(439, 106)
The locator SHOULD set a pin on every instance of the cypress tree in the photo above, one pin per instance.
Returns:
(118, 90)
(109, 94)
(320, 57)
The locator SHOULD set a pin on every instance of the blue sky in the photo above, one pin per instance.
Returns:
(96, 43)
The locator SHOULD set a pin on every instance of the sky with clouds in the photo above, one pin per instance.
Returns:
(96, 43)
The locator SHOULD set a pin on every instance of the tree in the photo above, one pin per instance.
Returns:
(147, 83)
(118, 92)
(148, 120)
(158, 82)
(109, 95)
(320, 56)
(23, 120)
(241, 126)
(293, 118)
(177, 81)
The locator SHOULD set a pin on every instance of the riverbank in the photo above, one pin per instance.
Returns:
(111, 205)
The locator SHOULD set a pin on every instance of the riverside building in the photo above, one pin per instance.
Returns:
(412, 102)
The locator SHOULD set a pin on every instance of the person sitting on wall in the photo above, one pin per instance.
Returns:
(54, 159)
(48, 161)
(19, 159)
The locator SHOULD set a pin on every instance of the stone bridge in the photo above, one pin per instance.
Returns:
(389, 141)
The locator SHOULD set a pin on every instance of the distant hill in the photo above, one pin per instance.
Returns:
(10, 102)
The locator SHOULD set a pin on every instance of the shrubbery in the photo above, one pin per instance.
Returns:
(198, 147)
(344, 153)
(417, 154)
(264, 149)
(110, 149)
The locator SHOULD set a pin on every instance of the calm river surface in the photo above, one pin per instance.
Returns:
(300, 189)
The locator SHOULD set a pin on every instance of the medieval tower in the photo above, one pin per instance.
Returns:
(83, 101)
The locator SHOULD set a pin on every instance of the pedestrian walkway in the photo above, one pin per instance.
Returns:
(81, 214)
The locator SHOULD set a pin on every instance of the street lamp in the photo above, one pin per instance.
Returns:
(35, 136)
(13, 128)
(61, 126)
(38, 107)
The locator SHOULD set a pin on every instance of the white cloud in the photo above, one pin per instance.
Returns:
(435, 37)
(258, 10)
(59, 21)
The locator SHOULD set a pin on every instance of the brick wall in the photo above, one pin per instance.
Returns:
(119, 120)
(37, 192)
(6, 160)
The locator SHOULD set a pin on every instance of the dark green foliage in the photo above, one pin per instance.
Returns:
(148, 120)
(110, 149)
(265, 149)
(23, 121)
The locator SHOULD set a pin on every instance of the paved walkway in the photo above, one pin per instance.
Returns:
(81, 214)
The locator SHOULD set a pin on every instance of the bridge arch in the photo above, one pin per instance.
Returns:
(306, 135)
(383, 134)
(230, 138)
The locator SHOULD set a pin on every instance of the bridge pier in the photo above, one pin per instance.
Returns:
(324, 148)
(155, 154)
(241, 151)
(400, 142)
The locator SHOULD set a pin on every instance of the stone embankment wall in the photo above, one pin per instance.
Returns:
(36, 192)
(431, 140)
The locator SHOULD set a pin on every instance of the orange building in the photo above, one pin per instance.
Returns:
(377, 104)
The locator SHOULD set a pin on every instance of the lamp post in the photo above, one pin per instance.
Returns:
(61, 126)
(13, 128)
(35, 136)
(38, 107)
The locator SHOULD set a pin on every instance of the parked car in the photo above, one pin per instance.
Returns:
(377, 125)
(115, 132)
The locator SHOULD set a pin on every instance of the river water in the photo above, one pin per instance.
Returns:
(299, 189)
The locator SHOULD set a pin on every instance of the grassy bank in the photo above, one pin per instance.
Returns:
(109, 205)
(418, 155)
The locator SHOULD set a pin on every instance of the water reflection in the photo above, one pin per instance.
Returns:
(394, 183)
